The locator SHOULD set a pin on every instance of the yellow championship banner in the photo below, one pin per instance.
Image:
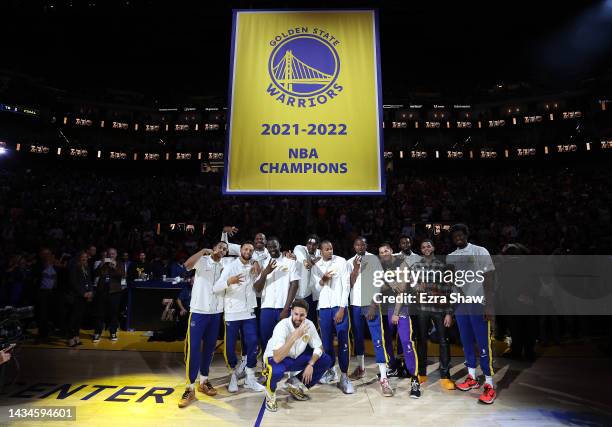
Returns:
(305, 110)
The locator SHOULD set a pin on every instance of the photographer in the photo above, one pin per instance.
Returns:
(108, 295)
(79, 293)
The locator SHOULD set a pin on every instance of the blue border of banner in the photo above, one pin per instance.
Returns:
(228, 132)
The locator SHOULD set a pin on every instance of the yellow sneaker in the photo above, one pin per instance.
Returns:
(207, 388)
(271, 404)
(187, 398)
(422, 379)
(447, 384)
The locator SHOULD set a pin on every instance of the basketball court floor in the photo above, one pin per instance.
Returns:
(142, 387)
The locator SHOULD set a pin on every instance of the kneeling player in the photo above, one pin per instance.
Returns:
(287, 351)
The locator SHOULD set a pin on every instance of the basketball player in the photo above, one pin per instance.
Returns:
(474, 320)
(406, 253)
(399, 315)
(287, 350)
(206, 309)
(278, 283)
(365, 310)
(430, 271)
(332, 283)
(260, 254)
(236, 286)
(306, 257)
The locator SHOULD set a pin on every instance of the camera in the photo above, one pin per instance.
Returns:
(11, 328)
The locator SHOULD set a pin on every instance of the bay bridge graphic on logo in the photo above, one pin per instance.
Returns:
(304, 65)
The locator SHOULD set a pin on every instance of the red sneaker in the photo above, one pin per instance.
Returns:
(488, 395)
(468, 384)
(358, 373)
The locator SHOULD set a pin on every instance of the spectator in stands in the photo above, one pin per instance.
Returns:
(139, 269)
(91, 258)
(14, 281)
(177, 269)
(159, 266)
(80, 292)
(46, 284)
(108, 295)
(127, 263)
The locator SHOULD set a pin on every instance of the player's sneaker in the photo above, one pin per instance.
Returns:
(252, 384)
(241, 369)
(386, 389)
(232, 387)
(297, 389)
(207, 388)
(358, 373)
(187, 398)
(329, 377)
(114, 337)
(447, 384)
(468, 384)
(271, 404)
(96, 338)
(488, 395)
(346, 385)
(415, 388)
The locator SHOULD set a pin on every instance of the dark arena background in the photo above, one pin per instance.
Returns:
(113, 119)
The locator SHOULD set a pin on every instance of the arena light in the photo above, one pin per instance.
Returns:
(18, 147)
(59, 151)
(3, 151)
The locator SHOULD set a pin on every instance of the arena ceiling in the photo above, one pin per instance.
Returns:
(170, 49)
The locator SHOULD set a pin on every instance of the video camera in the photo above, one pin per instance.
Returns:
(11, 328)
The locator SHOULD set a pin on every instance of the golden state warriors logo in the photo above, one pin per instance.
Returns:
(304, 67)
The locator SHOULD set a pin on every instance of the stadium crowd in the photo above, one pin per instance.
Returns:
(48, 217)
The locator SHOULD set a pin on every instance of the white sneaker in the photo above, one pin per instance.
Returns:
(346, 385)
(326, 377)
(241, 369)
(232, 387)
(251, 383)
(329, 377)
(297, 389)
